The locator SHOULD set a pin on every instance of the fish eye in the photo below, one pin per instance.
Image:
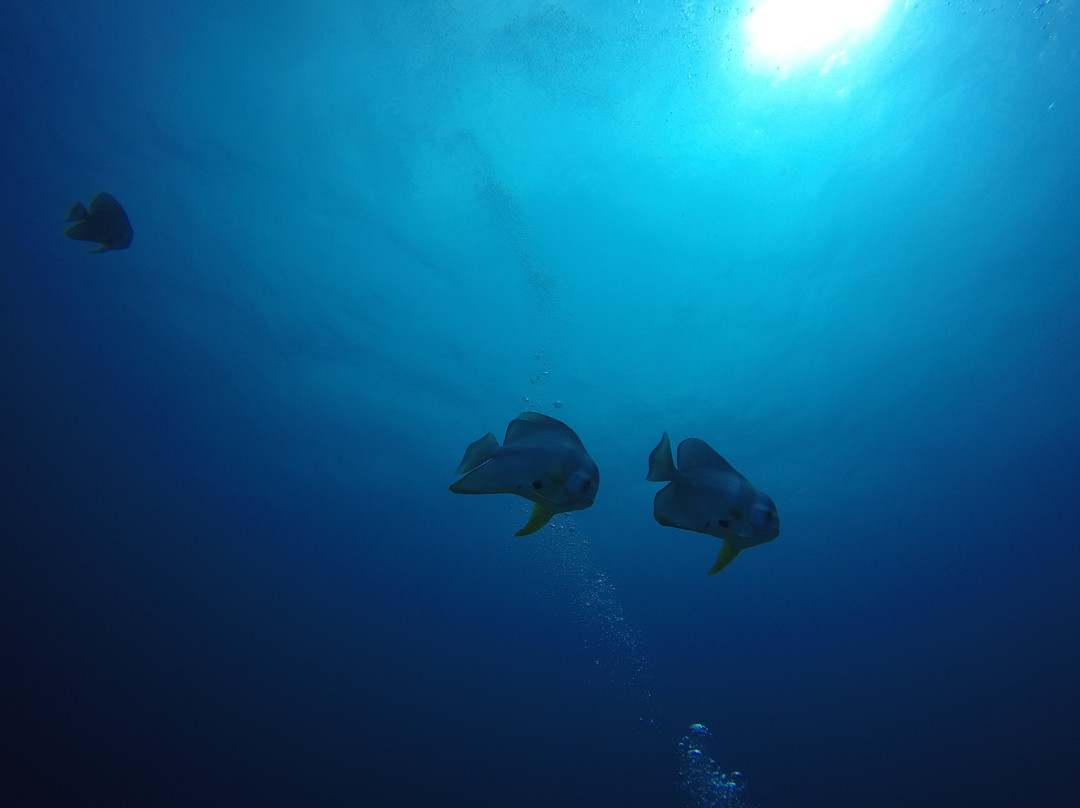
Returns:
(538, 484)
(587, 483)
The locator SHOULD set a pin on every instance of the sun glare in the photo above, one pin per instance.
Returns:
(788, 36)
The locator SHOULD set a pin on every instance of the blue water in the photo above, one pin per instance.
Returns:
(368, 233)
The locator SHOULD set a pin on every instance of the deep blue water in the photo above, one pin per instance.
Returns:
(368, 233)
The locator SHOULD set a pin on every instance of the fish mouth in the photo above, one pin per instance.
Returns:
(586, 496)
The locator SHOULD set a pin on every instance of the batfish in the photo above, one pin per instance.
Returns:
(104, 221)
(540, 459)
(708, 496)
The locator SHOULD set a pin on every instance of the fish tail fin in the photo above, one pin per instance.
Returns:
(480, 451)
(728, 551)
(76, 213)
(540, 517)
(661, 464)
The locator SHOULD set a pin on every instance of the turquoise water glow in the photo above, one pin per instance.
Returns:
(365, 234)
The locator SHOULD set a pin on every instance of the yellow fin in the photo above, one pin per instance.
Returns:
(728, 551)
(539, 518)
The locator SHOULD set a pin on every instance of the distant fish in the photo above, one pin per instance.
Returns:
(541, 459)
(708, 496)
(104, 222)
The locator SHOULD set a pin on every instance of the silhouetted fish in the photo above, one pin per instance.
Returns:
(541, 459)
(708, 496)
(104, 222)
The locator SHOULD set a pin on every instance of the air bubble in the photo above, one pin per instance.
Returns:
(702, 778)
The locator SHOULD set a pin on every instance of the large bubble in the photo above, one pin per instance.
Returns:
(700, 776)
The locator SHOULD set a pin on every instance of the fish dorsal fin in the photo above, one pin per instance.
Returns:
(103, 203)
(539, 517)
(529, 424)
(695, 454)
(728, 551)
(661, 466)
(479, 452)
(76, 213)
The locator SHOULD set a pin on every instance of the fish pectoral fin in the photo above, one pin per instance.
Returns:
(556, 494)
(728, 551)
(540, 517)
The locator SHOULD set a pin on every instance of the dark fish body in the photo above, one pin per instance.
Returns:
(103, 221)
(540, 459)
(707, 495)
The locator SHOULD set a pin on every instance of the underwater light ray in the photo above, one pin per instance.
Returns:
(788, 35)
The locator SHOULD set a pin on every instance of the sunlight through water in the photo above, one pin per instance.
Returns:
(789, 36)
